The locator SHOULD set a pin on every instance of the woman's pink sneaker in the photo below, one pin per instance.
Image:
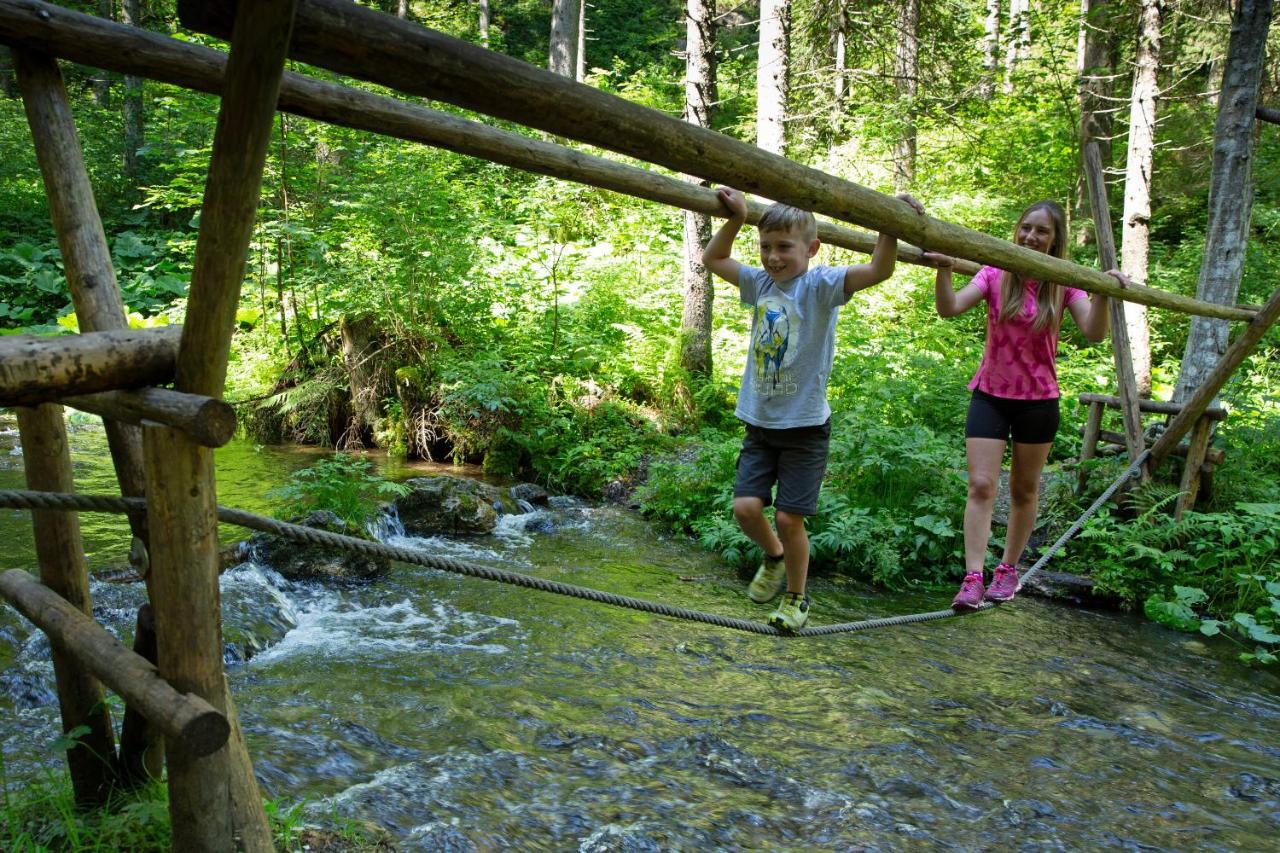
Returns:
(1004, 586)
(971, 592)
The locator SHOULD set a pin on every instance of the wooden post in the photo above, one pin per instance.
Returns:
(127, 50)
(1193, 467)
(210, 797)
(87, 259)
(91, 278)
(141, 743)
(1089, 444)
(92, 761)
(1125, 380)
(1208, 390)
(351, 39)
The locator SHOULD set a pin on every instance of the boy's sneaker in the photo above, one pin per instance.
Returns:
(768, 581)
(792, 613)
(971, 593)
(1005, 585)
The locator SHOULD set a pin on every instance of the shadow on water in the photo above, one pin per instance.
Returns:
(463, 714)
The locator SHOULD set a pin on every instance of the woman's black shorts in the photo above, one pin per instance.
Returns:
(1027, 421)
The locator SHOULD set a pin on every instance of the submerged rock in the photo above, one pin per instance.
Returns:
(1069, 588)
(530, 493)
(449, 505)
(304, 561)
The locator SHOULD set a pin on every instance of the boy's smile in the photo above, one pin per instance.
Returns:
(785, 254)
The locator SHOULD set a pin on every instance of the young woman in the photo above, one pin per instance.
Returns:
(1015, 391)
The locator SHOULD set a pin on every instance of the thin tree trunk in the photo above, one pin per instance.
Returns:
(906, 71)
(1230, 190)
(771, 75)
(402, 9)
(1019, 40)
(699, 94)
(130, 13)
(484, 22)
(1093, 67)
(839, 69)
(563, 54)
(1136, 227)
(990, 50)
(101, 85)
(581, 71)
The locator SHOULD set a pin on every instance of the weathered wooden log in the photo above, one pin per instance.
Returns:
(35, 369)
(141, 755)
(1268, 114)
(1089, 446)
(63, 570)
(187, 719)
(92, 41)
(1159, 407)
(1197, 447)
(367, 44)
(87, 260)
(209, 422)
(1215, 457)
(1208, 390)
(216, 798)
(1123, 355)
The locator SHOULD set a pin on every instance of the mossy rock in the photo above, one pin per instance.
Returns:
(451, 506)
(304, 561)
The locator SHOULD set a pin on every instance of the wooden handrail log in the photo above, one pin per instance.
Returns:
(1214, 456)
(35, 369)
(360, 42)
(211, 422)
(1154, 406)
(1208, 390)
(1268, 114)
(127, 50)
(186, 717)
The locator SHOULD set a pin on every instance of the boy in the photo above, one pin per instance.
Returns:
(783, 399)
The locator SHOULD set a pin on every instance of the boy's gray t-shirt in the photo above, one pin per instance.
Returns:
(793, 332)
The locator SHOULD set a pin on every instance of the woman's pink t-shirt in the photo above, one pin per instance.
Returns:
(1018, 362)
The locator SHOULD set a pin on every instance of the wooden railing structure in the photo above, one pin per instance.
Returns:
(162, 438)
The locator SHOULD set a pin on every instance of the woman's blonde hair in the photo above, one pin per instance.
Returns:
(1048, 294)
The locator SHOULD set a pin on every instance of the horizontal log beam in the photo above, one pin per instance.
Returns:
(1214, 456)
(342, 36)
(186, 717)
(1154, 406)
(126, 50)
(210, 422)
(1268, 114)
(35, 369)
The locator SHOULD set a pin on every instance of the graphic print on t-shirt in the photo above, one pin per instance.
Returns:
(771, 349)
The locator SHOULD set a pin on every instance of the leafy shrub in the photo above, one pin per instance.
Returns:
(343, 485)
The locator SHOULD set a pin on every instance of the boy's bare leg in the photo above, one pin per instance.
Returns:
(749, 513)
(795, 549)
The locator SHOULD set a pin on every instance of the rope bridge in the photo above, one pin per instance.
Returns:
(32, 500)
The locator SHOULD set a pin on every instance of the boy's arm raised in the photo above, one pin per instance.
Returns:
(717, 256)
(883, 258)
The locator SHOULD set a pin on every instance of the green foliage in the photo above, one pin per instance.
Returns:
(343, 485)
(1258, 630)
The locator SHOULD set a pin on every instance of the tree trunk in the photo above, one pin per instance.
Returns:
(839, 48)
(563, 55)
(699, 95)
(1019, 40)
(1230, 189)
(1094, 63)
(906, 69)
(771, 75)
(360, 344)
(130, 13)
(402, 9)
(580, 72)
(990, 50)
(484, 22)
(101, 85)
(1136, 225)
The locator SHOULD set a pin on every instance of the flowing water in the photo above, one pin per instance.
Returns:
(462, 714)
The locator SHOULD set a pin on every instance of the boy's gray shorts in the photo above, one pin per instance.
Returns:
(795, 459)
